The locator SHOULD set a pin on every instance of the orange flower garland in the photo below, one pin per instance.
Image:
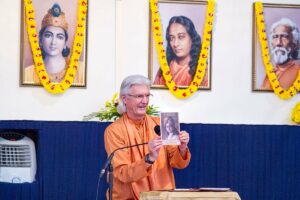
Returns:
(200, 71)
(56, 88)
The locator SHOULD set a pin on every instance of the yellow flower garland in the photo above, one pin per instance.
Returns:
(295, 115)
(200, 71)
(56, 88)
(278, 90)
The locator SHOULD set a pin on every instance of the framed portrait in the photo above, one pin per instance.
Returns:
(282, 23)
(170, 128)
(182, 23)
(56, 22)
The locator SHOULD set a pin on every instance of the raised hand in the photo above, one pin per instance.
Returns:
(184, 138)
(154, 147)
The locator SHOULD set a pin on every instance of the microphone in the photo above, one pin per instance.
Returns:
(157, 130)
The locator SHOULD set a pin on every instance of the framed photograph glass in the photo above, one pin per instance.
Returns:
(282, 23)
(182, 23)
(170, 129)
(56, 22)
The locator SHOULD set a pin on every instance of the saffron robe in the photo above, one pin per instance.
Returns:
(132, 174)
(286, 75)
(180, 74)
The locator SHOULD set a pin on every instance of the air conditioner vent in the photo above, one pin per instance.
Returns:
(15, 156)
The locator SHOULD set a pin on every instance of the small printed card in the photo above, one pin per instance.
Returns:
(169, 123)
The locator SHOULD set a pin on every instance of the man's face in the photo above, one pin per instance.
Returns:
(180, 40)
(282, 44)
(53, 41)
(137, 101)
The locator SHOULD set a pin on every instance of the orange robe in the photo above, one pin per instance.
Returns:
(132, 174)
(286, 75)
(180, 74)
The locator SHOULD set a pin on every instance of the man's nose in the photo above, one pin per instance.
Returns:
(53, 41)
(176, 42)
(145, 99)
(278, 41)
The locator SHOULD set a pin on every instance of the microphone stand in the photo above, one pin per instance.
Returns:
(110, 180)
(111, 169)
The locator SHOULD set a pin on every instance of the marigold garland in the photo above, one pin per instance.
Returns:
(278, 90)
(200, 71)
(56, 88)
(295, 115)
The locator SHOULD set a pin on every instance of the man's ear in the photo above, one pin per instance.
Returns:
(124, 99)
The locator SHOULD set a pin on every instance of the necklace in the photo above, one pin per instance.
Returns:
(57, 77)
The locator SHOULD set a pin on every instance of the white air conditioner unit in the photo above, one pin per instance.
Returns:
(17, 158)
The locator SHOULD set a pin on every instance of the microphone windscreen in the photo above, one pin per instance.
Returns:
(157, 129)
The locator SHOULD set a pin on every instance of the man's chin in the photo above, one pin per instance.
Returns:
(142, 111)
(279, 60)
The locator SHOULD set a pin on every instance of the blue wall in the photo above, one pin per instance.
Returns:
(259, 162)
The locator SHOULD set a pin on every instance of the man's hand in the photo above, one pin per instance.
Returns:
(154, 148)
(184, 138)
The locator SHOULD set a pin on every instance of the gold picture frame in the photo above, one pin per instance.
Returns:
(194, 11)
(64, 23)
(273, 15)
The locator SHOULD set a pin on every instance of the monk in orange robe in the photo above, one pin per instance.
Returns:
(286, 75)
(183, 50)
(285, 40)
(147, 167)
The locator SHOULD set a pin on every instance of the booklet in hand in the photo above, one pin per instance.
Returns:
(169, 123)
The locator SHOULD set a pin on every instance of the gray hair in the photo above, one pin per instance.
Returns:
(294, 30)
(126, 85)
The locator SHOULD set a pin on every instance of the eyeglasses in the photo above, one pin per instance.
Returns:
(140, 97)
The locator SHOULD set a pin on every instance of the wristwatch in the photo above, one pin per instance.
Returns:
(147, 159)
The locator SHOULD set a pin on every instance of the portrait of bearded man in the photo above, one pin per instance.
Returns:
(284, 46)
